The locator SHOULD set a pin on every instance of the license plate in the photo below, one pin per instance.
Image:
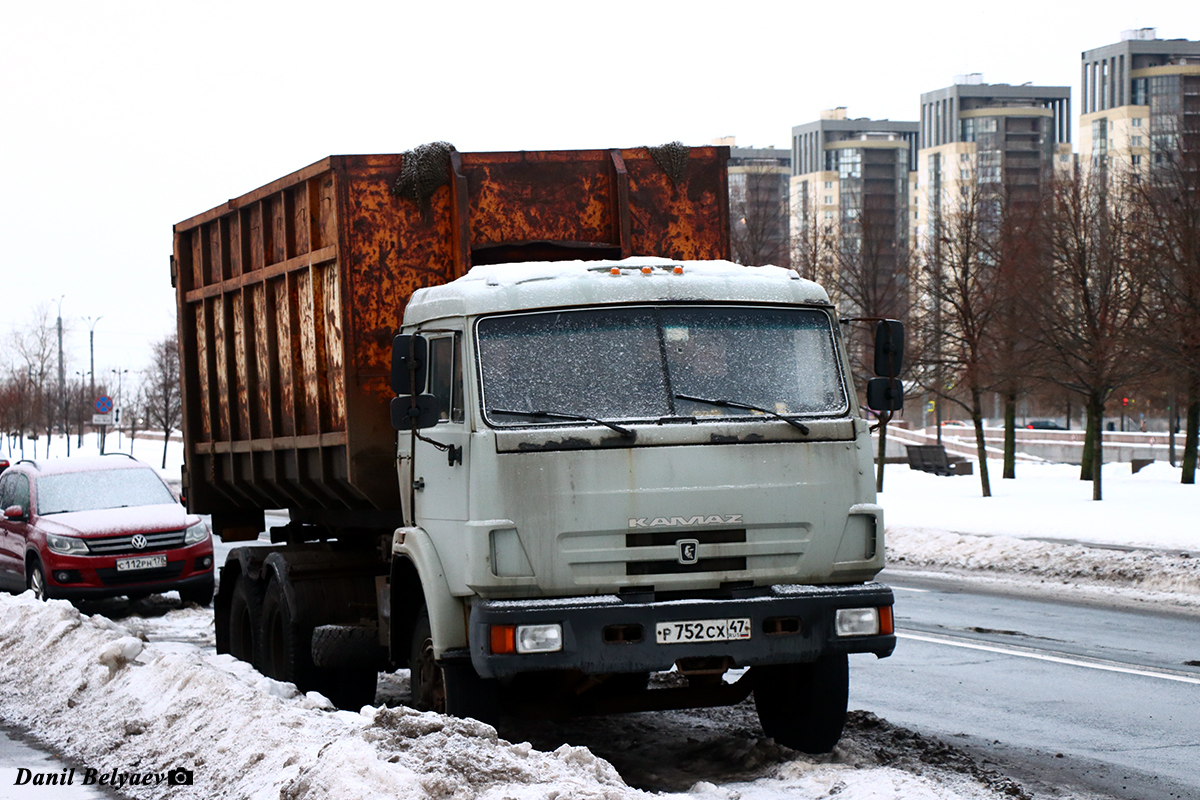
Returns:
(141, 562)
(702, 630)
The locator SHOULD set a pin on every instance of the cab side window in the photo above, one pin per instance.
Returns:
(14, 491)
(6, 484)
(445, 377)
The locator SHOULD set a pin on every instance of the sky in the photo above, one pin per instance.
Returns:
(119, 119)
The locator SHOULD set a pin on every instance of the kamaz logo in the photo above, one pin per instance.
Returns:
(684, 522)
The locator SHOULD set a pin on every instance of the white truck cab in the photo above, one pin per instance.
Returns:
(614, 468)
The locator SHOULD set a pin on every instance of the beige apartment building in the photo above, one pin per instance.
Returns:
(1139, 97)
(976, 137)
(850, 190)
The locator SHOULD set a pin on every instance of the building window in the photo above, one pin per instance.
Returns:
(828, 216)
(1135, 160)
(828, 200)
(964, 174)
(964, 156)
(1137, 141)
(828, 184)
(1136, 122)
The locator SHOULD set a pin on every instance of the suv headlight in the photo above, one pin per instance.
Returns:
(196, 533)
(67, 545)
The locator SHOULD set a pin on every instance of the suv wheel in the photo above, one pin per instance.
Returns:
(35, 580)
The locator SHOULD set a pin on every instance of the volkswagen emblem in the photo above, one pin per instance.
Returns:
(138, 541)
(689, 551)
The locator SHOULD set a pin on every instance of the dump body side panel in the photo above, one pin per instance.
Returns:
(288, 298)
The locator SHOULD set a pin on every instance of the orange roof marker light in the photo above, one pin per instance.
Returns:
(647, 270)
(615, 271)
(678, 269)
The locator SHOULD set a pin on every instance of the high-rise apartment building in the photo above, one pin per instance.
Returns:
(994, 138)
(850, 192)
(758, 203)
(1141, 100)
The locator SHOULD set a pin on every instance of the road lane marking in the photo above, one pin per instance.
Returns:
(1074, 662)
(908, 589)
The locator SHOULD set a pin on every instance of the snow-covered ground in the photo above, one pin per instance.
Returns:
(143, 692)
(1043, 530)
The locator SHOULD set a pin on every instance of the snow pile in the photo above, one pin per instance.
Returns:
(145, 695)
(1143, 538)
(114, 701)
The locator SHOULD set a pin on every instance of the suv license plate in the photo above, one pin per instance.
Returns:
(142, 562)
(702, 630)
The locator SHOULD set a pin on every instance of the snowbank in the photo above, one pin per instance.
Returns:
(141, 697)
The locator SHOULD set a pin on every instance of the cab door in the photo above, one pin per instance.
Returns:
(442, 453)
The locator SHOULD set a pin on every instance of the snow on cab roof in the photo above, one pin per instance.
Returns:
(50, 466)
(547, 284)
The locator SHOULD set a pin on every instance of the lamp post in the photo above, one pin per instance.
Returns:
(61, 382)
(92, 371)
(79, 428)
(119, 373)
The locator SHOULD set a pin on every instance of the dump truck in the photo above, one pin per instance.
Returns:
(538, 440)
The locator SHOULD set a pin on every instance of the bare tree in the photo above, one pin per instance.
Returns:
(758, 216)
(1168, 195)
(36, 346)
(1093, 319)
(164, 407)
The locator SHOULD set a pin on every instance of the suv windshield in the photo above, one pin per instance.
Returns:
(632, 363)
(108, 488)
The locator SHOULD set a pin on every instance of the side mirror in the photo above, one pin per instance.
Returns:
(889, 348)
(885, 394)
(407, 415)
(410, 357)
(15, 513)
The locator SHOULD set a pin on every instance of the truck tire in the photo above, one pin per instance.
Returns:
(286, 647)
(346, 647)
(245, 620)
(201, 594)
(448, 688)
(803, 706)
(347, 659)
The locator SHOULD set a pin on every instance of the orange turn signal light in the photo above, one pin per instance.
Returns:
(886, 626)
(504, 639)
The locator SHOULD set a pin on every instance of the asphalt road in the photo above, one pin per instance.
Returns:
(1103, 701)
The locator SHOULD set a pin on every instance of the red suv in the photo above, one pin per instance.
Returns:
(84, 528)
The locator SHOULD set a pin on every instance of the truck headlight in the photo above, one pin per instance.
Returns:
(196, 533)
(539, 638)
(67, 545)
(863, 621)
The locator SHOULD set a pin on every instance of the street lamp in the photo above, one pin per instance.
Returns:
(92, 371)
(119, 373)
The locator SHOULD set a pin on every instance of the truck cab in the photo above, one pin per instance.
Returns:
(635, 466)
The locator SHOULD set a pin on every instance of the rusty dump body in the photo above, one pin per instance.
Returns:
(289, 296)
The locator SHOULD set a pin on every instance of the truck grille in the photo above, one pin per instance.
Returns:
(123, 545)
(599, 558)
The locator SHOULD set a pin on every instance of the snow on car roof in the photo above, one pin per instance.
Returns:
(52, 466)
(548, 284)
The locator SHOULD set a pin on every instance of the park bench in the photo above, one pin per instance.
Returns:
(933, 458)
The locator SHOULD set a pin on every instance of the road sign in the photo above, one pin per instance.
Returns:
(102, 419)
(104, 405)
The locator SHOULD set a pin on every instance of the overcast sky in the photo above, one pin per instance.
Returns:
(120, 119)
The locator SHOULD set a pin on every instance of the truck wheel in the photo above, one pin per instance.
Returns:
(803, 706)
(245, 619)
(454, 689)
(285, 645)
(201, 595)
(347, 658)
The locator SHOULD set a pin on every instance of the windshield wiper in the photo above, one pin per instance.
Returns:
(800, 426)
(628, 434)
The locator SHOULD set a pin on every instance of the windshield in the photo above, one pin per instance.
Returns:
(109, 488)
(633, 362)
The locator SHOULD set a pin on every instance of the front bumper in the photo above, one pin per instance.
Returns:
(800, 618)
(96, 577)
